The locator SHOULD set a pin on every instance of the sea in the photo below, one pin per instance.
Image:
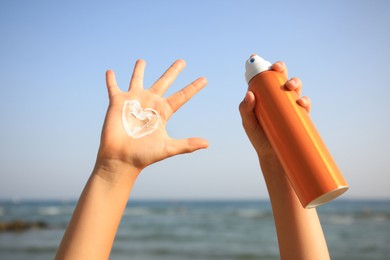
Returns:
(152, 229)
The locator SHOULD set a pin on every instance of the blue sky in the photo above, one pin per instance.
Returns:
(53, 97)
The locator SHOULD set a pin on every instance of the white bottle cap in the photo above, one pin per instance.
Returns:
(254, 65)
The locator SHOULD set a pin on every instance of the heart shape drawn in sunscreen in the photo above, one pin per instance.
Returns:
(139, 121)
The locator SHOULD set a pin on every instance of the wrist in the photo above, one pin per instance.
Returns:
(265, 152)
(115, 171)
(274, 174)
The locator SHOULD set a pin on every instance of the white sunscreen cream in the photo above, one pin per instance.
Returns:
(137, 121)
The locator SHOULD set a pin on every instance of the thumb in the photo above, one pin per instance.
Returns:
(249, 119)
(187, 145)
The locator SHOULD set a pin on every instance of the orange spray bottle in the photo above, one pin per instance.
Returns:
(307, 162)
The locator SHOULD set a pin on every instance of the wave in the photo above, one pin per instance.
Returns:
(253, 214)
(137, 212)
(350, 218)
(149, 211)
(29, 249)
(340, 220)
(55, 210)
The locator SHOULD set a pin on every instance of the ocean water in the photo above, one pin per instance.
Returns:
(354, 229)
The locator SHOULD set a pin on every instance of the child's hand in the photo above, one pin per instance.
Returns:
(249, 120)
(117, 148)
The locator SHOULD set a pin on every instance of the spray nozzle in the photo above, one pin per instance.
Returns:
(254, 65)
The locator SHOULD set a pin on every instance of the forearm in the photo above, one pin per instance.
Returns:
(299, 231)
(96, 218)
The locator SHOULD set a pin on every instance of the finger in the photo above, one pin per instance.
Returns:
(137, 78)
(163, 83)
(280, 66)
(112, 86)
(295, 84)
(182, 96)
(305, 102)
(187, 145)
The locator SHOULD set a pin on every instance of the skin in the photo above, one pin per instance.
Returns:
(299, 231)
(120, 160)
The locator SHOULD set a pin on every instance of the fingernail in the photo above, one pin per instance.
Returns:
(246, 98)
(291, 85)
(277, 65)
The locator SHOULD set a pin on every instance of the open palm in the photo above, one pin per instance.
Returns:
(116, 145)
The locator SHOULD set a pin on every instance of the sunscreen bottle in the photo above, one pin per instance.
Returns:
(307, 162)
